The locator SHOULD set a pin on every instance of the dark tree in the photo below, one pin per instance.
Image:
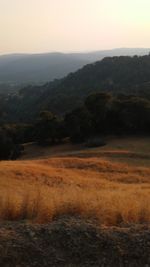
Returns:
(48, 128)
(78, 124)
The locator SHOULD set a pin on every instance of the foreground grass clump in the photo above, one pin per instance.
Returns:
(43, 190)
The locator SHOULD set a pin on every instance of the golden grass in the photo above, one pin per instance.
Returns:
(91, 187)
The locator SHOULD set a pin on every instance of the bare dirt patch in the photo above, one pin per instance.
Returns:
(74, 242)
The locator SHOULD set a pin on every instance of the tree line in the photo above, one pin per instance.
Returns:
(101, 114)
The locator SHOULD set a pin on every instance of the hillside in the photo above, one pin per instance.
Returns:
(77, 207)
(119, 75)
(65, 182)
(22, 69)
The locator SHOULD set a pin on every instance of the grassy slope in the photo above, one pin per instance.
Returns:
(110, 184)
(120, 149)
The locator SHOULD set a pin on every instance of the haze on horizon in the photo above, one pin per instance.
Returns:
(36, 26)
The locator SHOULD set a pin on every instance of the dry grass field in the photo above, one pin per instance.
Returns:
(109, 184)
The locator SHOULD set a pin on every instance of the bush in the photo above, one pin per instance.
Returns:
(95, 142)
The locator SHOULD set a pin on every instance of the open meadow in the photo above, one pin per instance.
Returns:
(109, 184)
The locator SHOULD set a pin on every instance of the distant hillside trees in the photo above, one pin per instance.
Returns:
(78, 124)
(117, 75)
(99, 107)
(133, 115)
(101, 114)
(105, 114)
(49, 128)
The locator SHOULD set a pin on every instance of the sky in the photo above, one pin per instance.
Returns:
(36, 26)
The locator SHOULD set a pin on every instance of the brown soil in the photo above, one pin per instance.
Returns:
(73, 242)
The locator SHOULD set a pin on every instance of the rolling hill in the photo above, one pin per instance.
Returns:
(21, 69)
(87, 208)
(37, 68)
(118, 75)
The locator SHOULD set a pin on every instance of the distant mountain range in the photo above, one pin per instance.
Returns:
(22, 69)
(122, 75)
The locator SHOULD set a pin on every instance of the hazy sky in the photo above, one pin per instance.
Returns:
(73, 25)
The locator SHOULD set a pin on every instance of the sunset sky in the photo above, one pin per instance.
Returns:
(73, 25)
